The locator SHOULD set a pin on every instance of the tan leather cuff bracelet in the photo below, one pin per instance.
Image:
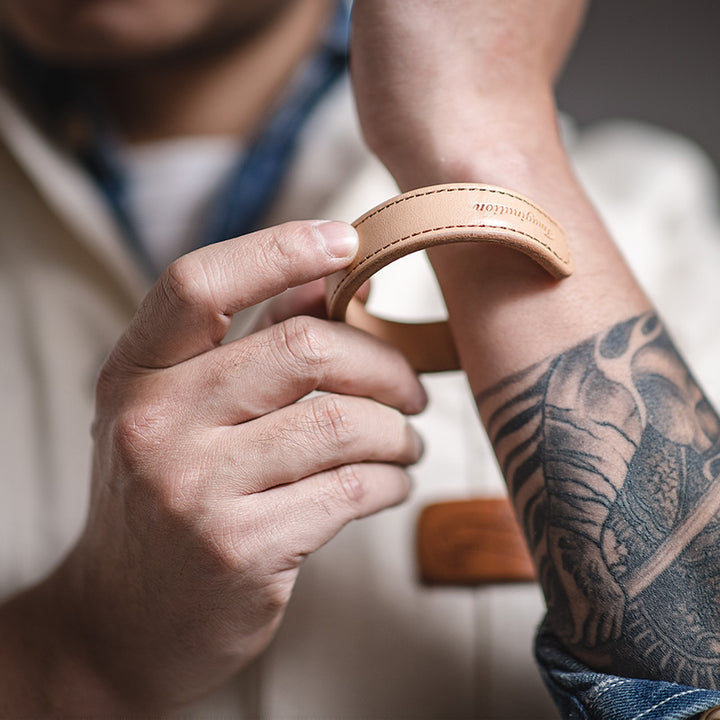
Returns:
(440, 215)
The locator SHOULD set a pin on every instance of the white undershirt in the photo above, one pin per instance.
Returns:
(171, 184)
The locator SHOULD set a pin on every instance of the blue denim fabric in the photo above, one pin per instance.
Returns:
(583, 694)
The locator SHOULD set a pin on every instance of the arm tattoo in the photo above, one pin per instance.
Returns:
(612, 457)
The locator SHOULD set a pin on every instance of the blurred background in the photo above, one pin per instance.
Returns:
(652, 60)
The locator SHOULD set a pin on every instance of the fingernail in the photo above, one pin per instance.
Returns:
(422, 397)
(339, 238)
(418, 442)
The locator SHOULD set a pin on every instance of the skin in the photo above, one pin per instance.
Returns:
(608, 446)
(611, 449)
(193, 496)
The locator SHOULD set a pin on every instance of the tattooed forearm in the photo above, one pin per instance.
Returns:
(612, 457)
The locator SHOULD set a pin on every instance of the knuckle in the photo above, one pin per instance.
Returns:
(221, 545)
(238, 540)
(303, 340)
(219, 369)
(350, 485)
(244, 545)
(334, 421)
(139, 435)
(185, 283)
(278, 251)
(149, 475)
(178, 498)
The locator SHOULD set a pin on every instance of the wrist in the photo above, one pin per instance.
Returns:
(517, 146)
(507, 141)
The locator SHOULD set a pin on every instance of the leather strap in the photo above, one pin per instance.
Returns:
(439, 215)
(470, 542)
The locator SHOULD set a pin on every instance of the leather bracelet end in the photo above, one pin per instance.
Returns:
(472, 542)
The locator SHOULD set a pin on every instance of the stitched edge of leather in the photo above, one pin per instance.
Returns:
(406, 197)
(452, 188)
(432, 190)
(477, 226)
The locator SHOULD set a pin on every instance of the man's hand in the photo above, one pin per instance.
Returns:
(438, 82)
(214, 476)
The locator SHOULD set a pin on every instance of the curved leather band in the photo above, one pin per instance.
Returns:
(439, 215)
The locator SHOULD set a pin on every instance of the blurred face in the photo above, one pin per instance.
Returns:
(118, 31)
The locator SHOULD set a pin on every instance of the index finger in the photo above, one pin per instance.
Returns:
(190, 308)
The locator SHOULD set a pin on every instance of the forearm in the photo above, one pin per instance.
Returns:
(606, 443)
(495, 293)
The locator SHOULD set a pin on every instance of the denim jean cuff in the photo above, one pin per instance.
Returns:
(583, 694)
